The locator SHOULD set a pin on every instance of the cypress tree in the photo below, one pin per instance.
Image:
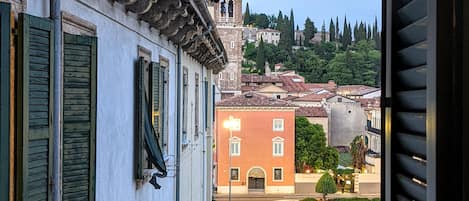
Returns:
(323, 31)
(309, 31)
(368, 37)
(332, 31)
(355, 31)
(292, 27)
(247, 15)
(260, 58)
(337, 30)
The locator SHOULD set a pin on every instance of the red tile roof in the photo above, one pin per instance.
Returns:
(370, 102)
(248, 88)
(356, 90)
(294, 83)
(290, 97)
(250, 99)
(311, 112)
(330, 86)
(255, 78)
(314, 97)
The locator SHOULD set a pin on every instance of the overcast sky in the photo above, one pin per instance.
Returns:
(319, 10)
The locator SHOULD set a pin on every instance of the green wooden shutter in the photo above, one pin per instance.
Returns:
(156, 85)
(4, 99)
(35, 107)
(139, 117)
(79, 117)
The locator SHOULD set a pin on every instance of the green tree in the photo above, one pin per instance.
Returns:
(260, 57)
(323, 31)
(332, 31)
(292, 26)
(309, 31)
(337, 30)
(262, 21)
(326, 185)
(310, 147)
(247, 15)
(358, 150)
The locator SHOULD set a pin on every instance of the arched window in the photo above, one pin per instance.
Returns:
(277, 146)
(222, 8)
(230, 8)
(235, 146)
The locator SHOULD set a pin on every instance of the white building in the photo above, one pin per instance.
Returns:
(271, 36)
(115, 145)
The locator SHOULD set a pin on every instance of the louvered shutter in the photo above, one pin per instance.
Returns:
(34, 107)
(156, 83)
(406, 99)
(4, 99)
(79, 117)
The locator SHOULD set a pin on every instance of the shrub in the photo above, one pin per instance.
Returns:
(308, 199)
(351, 199)
(376, 199)
(326, 185)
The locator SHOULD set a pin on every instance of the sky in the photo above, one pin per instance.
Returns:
(319, 10)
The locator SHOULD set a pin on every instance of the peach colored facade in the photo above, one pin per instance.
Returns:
(256, 137)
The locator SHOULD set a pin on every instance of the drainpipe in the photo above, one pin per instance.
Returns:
(57, 115)
(178, 121)
(204, 152)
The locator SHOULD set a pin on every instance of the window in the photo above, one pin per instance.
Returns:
(278, 174)
(185, 86)
(160, 92)
(234, 174)
(222, 8)
(230, 8)
(277, 146)
(339, 100)
(279, 97)
(235, 146)
(220, 76)
(232, 44)
(232, 76)
(278, 125)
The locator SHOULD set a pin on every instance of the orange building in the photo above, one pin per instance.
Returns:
(262, 144)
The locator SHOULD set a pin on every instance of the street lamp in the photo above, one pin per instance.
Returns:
(230, 124)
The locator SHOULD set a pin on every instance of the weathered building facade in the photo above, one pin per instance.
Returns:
(228, 16)
(101, 118)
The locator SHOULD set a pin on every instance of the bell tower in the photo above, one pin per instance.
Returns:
(228, 16)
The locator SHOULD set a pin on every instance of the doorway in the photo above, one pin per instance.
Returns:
(256, 180)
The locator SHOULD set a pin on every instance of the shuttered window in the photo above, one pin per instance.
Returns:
(159, 85)
(148, 148)
(4, 99)
(79, 117)
(407, 74)
(34, 108)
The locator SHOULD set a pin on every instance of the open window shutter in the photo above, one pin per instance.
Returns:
(157, 101)
(140, 126)
(79, 117)
(4, 99)
(406, 100)
(34, 107)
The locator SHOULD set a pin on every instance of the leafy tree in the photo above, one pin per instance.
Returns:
(311, 147)
(262, 21)
(326, 185)
(358, 150)
(247, 15)
(309, 31)
(260, 57)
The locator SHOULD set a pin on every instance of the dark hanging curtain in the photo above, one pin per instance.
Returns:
(155, 155)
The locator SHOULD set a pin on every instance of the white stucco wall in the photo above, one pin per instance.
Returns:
(375, 94)
(119, 35)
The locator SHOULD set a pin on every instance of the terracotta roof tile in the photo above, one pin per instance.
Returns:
(294, 83)
(251, 99)
(330, 86)
(248, 88)
(370, 102)
(315, 97)
(311, 112)
(290, 97)
(247, 78)
(356, 90)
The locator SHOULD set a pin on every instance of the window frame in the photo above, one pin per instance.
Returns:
(239, 174)
(273, 174)
(235, 141)
(281, 142)
(282, 125)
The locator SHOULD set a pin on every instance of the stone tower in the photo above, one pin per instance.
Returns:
(228, 16)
